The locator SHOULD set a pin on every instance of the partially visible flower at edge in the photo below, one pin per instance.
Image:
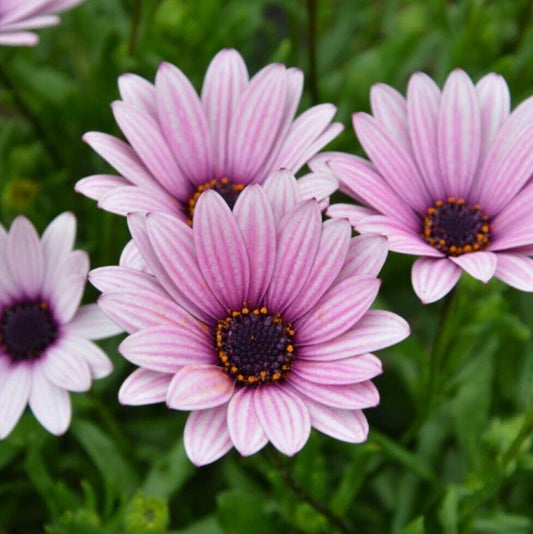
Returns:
(19, 16)
(449, 180)
(45, 350)
(256, 320)
(237, 132)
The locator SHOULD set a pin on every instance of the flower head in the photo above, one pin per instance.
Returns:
(19, 16)
(44, 334)
(238, 132)
(449, 180)
(256, 320)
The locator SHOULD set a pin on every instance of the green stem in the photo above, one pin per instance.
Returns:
(282, 468)
(312, 47)
(514, 449)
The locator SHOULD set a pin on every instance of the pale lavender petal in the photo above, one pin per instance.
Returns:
(346, 425)
(515, 270)
(376, 330)
(58, 238)
(433, 278)
(49, 403)
(115, 278)
(459, 134)
(99, 364)
(145, 136)
(184, 123)
(65, 367)
(125, 199)
(390, 109)
(221, 250)
(25, 257)
(18, 39)
(298, 240)
(144, 387)
(317, 185)
(354, 214)
(346, 371)
(138, 92)
(254, 217)
(131, 257)
(244, 427)
(284, 418)
(367, 185)
(206, 437)
(256, 122)
(97, 185)
(366, 255)
(494, 103)
(345, 397)
(393, 162)
(74, 264)
(14, 395)
(225, 81)
(480, 265)
(329, 259)
(283, 193)
(338, 310)
(67, 296)
(400, 238)
(199, 387)
(423, 104)
(167, 348)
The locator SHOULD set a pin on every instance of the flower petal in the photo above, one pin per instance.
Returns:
(58, 238)
(283, 193)
(14, 395)
(353, 213)
(434, 278)
(138, 92)
(515, 270)
(198, 387)
(480, 265)
(97, 185)
(128, 198)
(114, 278)
(284, 418)
(144, 387)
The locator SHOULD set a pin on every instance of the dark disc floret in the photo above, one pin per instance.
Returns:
(455, 227)
(228, 190)
(26, 330)
(254, 346)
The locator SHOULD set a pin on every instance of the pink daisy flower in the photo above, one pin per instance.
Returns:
(449, 180)
(238, 132)
(45, 350)
(256, 320)
(19, 16)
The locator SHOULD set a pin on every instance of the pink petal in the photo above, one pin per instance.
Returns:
(58, 238)
(515, 270)
(65, 367)
(66, 297)
(114, 278)
(244, 427)
(98, 185)
(345, 425)
(184, 123)
(459, 134)
(433, 278)
(144, 387)
(138, 92)
(376, 330)
(128, 198)
(50, 404)
(284, 418)
(19, 39)
(206, 437)
(338, 310)
(225, 81)
(283, 193)
(480, 265)
(131, 257)
(317, 185)
(354, 214)
(99, 364)
(14, 395)
(167, 348)
(221, 250)
(198, 387)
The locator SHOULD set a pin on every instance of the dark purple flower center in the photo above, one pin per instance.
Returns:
(26, 330)
(254, 346)
(229, 191)
(455, 228)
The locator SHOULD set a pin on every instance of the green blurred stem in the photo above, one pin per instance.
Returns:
(134, 30)
(281, 466)
(312, 46)
(514, 449)
(26, 111)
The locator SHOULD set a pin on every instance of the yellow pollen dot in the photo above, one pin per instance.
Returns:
(263, 310)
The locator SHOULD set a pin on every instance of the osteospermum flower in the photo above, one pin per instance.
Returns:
(257, 321)
(45, 350)
(238, 132)
(19, 16)
(449, 180)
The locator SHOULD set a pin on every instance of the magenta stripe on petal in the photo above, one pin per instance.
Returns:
(434, 278)
(284, 418)
(144, 387)
(198, 387)
(206, 437)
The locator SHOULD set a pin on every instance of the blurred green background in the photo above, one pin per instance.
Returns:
(461, 463)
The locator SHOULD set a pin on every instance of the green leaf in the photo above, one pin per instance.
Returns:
(415, 527)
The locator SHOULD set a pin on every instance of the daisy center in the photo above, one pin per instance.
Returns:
(255, 346)
(229, 192)
(26, 329)
(455, 227)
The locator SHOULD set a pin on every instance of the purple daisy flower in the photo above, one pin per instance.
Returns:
(19, 16)
(238, 132)
(44, 333)
(256, 320)
(449, 180)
